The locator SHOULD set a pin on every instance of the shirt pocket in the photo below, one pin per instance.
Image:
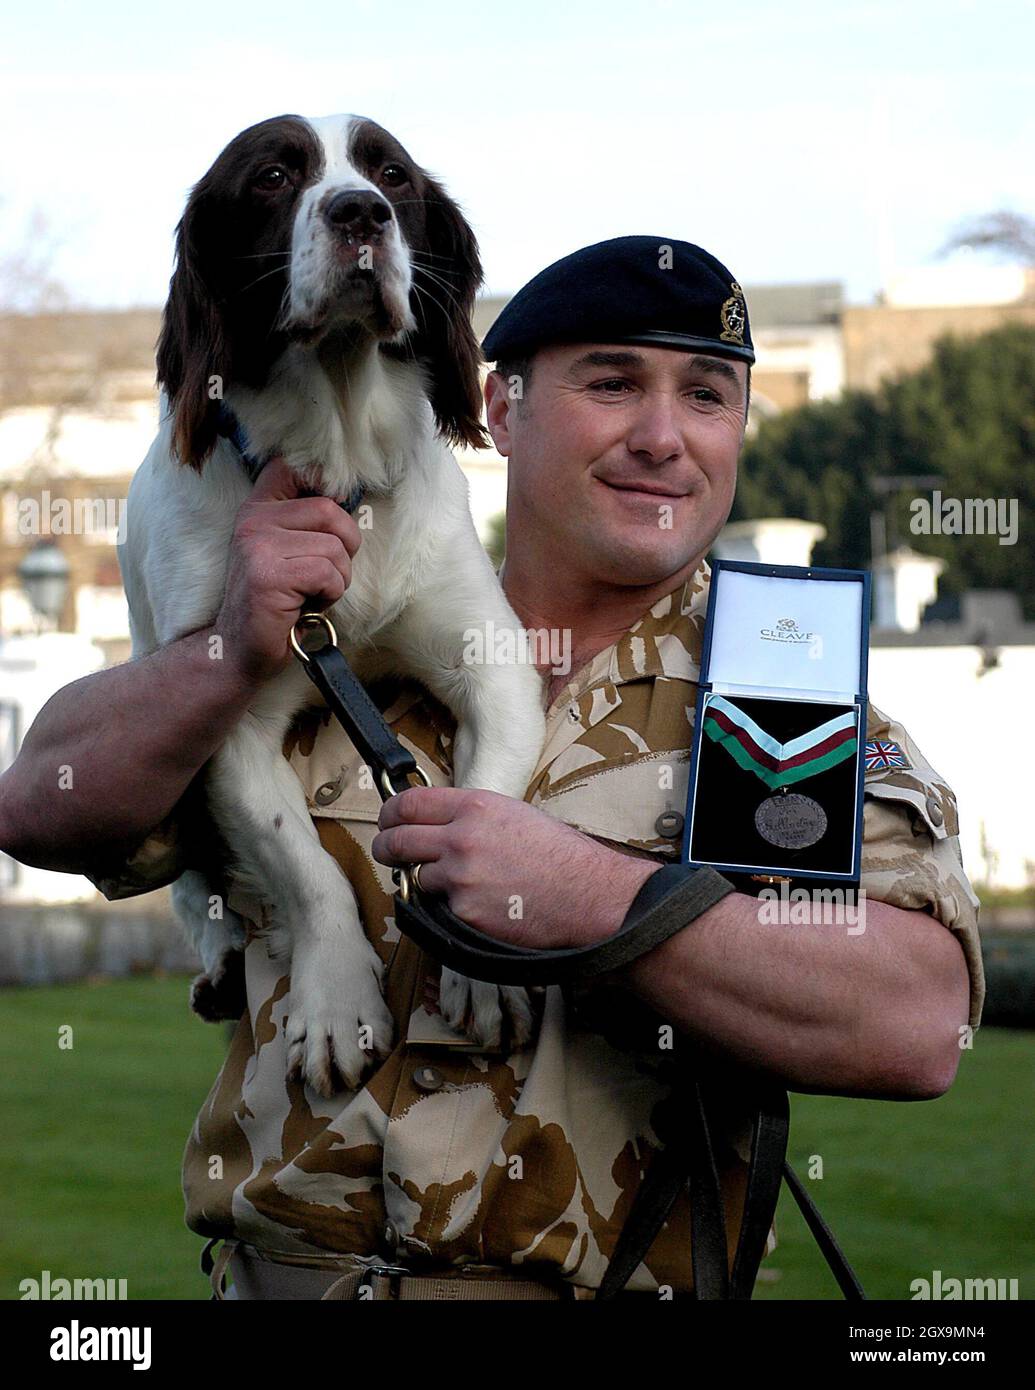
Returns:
(340, 785)
(636, 803)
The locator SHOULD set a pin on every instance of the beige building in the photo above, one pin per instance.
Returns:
(897, 334)
(796, 330)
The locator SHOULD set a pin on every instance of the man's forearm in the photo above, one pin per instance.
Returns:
(877, 1013)
(110, 755)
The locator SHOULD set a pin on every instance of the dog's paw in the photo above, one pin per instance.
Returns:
(338, 1023)
(480, 1010)
(220, 994)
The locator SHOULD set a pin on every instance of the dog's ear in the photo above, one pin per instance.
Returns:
(447, 275)
(193, 347)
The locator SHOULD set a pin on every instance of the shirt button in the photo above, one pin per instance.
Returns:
(330, 791)
(669, 824)
(428, 1079)
(935, 811)
(390, 1236)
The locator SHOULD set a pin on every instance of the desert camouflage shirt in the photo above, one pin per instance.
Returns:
(532, 1160)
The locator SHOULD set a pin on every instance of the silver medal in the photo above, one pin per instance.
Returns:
(791, 822)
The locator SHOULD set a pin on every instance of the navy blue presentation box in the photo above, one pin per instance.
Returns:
(784, 659)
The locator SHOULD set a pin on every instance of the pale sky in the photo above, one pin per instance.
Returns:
(796, 141)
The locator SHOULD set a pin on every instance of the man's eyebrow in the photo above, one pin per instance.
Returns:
(601, 358)
(700, 364)
(713, 366)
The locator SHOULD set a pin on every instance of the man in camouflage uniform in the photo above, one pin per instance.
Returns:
(510, 1173)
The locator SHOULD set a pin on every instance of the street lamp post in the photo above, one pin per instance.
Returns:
(44, 575)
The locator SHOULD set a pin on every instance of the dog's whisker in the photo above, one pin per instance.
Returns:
(437, 302)
(442, 284)
(439, 269)
(453, 297)
(420, 296)
(277, 270)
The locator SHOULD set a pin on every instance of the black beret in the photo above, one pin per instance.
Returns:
(632, 289)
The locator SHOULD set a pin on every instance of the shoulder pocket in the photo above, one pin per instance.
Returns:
(929, 800)
(914, 783)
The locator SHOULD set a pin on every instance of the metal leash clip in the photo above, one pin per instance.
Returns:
(312, 619)
(405, 879)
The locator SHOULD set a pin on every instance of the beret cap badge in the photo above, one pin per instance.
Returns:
(733, 316)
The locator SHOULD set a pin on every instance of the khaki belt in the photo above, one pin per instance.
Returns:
(386, 1282)
(255, 1276)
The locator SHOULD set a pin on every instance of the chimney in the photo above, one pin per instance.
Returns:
(904, 583)
(778, 540)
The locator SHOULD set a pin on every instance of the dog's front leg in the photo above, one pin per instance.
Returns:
(337, 1018)
(498, 737)
(466, 645)
(500, 732)
(218, 936)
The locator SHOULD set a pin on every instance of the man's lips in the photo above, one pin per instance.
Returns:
(643, 489)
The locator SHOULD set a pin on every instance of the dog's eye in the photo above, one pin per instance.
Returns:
(274, 176)
(394, 175)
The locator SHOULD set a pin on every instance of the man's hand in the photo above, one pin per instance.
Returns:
(509, 869)
(285, 548)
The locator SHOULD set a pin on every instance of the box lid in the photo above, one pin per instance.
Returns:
(787, 631)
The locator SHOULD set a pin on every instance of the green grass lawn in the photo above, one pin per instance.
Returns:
(91, 1139)
(909, 1188)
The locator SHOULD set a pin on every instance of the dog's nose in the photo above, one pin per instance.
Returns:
(358, 213)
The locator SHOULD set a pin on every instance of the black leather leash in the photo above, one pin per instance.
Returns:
(668, 900)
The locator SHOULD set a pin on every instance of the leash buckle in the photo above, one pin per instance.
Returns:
(308, 620)
(393, 1273)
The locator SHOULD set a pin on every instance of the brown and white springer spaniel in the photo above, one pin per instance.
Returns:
(323, 286)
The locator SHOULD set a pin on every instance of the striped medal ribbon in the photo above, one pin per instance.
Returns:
(788, 821)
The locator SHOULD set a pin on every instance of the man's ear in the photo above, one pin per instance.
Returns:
(445, 287)
(497, 411)
(193, 346)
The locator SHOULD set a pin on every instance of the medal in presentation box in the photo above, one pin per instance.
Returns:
(776, 771)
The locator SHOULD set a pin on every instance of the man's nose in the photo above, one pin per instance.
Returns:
(357, 213)
(654, 431)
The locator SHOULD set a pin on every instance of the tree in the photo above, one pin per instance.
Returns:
(1007, 232)
(497, 538)
(27, 287)
(27, 282)
(968, 417)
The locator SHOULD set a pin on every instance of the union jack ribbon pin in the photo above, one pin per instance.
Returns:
(881, 754)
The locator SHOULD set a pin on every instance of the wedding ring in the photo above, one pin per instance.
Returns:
(408, 880)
